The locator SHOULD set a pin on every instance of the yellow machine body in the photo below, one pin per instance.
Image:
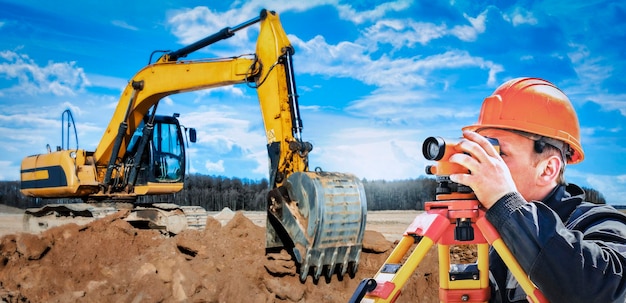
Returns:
(318, 217)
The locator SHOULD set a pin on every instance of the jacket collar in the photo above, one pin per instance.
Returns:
(564, 199)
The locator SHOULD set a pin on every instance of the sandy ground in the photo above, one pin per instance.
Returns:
(390, 223)
(110, 261)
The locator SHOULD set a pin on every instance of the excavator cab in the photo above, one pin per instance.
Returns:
(163, 157)
(168, 155)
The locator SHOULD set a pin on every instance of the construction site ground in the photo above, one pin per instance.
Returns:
(108, 260)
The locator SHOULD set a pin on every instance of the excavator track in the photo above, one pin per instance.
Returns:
(196, 217)
(51, 215)
(168, 217)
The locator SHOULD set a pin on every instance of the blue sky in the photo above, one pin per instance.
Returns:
(374, 78)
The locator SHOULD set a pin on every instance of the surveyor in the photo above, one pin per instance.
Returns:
(572, 250)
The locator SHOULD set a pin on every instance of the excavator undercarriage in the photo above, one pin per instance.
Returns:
(167, 217)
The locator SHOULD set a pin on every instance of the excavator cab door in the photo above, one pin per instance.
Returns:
(163, 160)
(167, 151)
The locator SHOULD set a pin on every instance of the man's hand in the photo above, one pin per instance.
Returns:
(490, 178)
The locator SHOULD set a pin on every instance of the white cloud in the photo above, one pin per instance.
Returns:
(252, 7)
(44, 116)
(8, 171)
(223, 128)
(230, 90)
(167, 100)
(124, 24)
(105, 81)
(612, 187)
(74, 109)
(402, 33)
(406, 33)
(594, 70)
(60, 79)
(611, 102)
(348, 13)
(520, 16)
(214, 167)
(365, 149)
(470, 33)
(406, 107)
(389, 159)
(191, 25)
(262, 162)
(350, 60)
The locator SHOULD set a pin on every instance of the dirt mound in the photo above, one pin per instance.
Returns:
(224, 216)
(110, 261)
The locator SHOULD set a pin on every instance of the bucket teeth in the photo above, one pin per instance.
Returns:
(354, 266)
(342, 268)
(318, 272)
(304, 268)
(319, 265)
(304, 272)
(330, 271)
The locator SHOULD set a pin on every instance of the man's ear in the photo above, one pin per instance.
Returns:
(550, 169)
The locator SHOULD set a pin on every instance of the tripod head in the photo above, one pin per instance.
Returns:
(449, 193)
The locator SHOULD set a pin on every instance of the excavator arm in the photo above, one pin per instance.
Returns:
(319, 217)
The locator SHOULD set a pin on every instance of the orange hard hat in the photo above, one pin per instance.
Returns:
(535, 106)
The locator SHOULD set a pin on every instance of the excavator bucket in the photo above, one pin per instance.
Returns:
(321, 216)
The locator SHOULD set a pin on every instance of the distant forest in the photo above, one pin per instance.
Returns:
(214, 193)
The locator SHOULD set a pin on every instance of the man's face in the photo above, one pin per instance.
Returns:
(517, 152)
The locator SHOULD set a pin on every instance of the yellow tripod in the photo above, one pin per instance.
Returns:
(451, 220)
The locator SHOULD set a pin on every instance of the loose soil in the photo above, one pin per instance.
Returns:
(108, 260)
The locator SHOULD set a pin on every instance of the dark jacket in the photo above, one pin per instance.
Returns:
(583, 259)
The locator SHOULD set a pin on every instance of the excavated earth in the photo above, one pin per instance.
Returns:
(108, 260)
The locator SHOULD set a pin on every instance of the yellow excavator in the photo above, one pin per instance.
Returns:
(318, 217)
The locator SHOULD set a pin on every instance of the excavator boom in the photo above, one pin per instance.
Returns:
(159, 80)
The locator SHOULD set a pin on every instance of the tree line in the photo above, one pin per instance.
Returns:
(214, 193)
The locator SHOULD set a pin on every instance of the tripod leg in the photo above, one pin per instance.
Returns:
(492, 235)
(393, 274)
(466, 282)
(364, 287)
